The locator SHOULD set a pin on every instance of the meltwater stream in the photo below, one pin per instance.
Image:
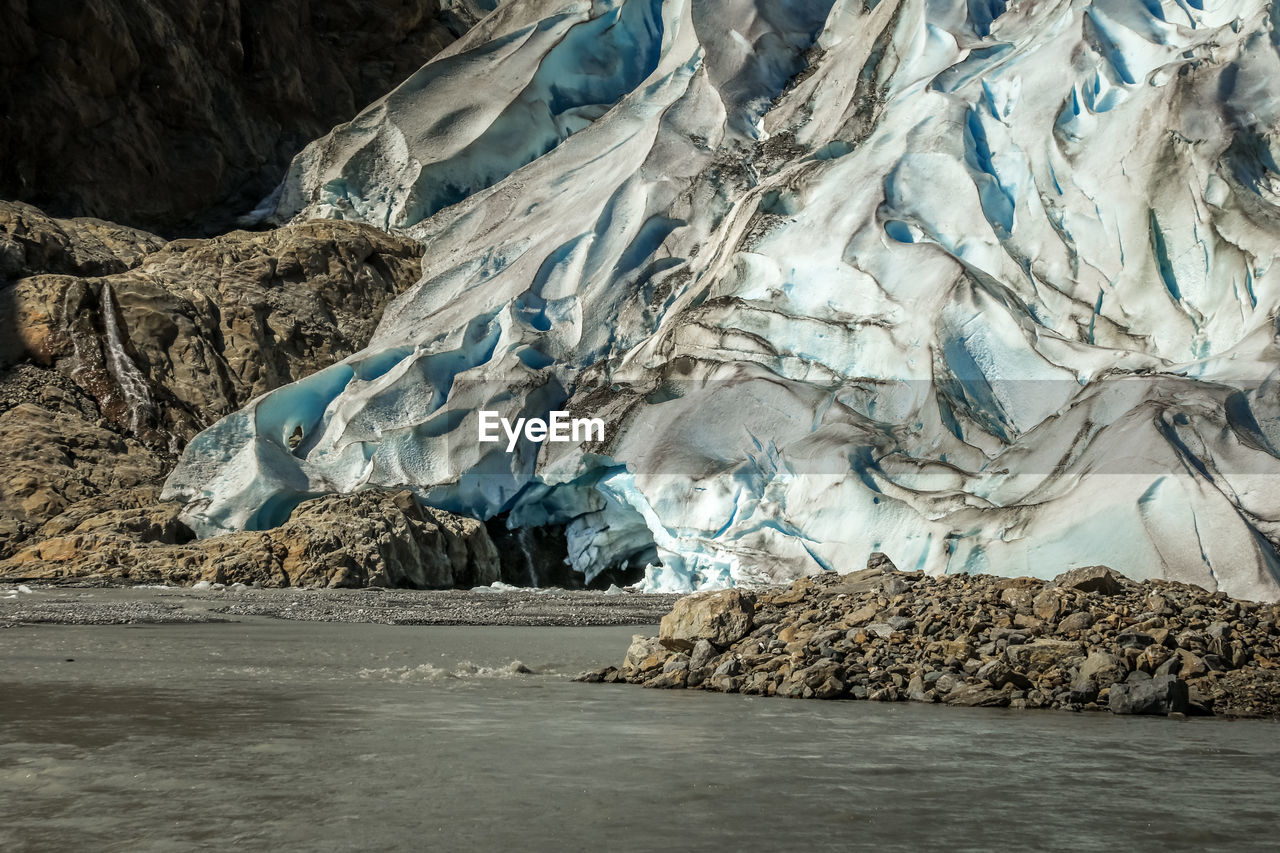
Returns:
(313, 737)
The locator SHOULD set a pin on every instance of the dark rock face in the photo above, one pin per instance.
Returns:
(178, 115)
(1161, 696)
(539, 557)
(532, 556)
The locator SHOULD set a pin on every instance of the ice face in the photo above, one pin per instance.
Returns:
(984, 286)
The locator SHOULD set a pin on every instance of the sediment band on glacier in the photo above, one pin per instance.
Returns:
(986, 287)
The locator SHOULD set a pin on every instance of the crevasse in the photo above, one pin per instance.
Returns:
(985, 286)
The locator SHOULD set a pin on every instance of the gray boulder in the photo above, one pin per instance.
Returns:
(1160, 696)
(1103, 668)
(720, 618)
(1099, 579)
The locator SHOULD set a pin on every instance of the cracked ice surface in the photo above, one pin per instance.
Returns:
(986, 286)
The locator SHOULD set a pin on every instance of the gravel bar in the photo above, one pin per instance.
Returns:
(64, 605)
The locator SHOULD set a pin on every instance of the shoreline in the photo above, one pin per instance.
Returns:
(1088, 640)
(137, 605)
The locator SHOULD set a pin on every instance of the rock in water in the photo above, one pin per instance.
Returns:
(1162, 695)
(645, 656)
(977, 696)
(720, 618)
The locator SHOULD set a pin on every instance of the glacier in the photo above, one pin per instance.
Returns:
(985, 286)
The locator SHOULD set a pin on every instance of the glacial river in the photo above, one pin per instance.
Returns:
(279, 736)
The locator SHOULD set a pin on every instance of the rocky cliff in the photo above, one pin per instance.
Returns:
(195, 328)
(116, 347)
(178, 115)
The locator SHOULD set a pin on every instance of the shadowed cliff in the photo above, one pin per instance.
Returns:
(178, 116)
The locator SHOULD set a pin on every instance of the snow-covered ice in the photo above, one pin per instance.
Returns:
(983, 285)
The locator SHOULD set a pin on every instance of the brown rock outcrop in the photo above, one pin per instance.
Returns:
(33, 242)
(54, 457)
(720, 618)
(116, 348)
(369, 538)
(197, 328)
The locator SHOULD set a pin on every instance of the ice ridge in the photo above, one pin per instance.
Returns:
(983, 285)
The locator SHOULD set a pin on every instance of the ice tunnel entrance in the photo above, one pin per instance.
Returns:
(578, 534)
(539, 557)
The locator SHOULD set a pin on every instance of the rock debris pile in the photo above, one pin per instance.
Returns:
(372, 538)
(1088, 640)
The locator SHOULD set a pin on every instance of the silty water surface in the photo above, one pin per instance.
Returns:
(272, 735)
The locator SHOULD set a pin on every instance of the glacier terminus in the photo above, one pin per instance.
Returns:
(985, 286)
